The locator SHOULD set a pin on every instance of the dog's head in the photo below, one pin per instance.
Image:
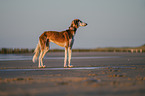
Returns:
(76, 23)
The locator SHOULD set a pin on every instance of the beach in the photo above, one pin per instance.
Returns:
(93, 74)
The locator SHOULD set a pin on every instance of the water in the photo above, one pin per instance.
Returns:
(76, 68)
(12, 57)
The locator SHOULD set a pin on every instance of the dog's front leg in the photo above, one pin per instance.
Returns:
(71, 41)
(66, 57)
(69, 60)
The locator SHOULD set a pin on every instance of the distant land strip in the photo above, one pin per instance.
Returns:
(140, 49)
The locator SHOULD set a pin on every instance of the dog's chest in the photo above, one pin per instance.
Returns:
(71, 41)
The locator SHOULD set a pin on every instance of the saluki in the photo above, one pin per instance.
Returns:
(63, 39)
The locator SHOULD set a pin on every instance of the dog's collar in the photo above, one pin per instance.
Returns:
(72, 28)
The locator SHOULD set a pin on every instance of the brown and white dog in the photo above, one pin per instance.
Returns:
(63, 39)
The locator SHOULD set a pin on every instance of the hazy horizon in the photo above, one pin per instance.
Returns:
(111, 23)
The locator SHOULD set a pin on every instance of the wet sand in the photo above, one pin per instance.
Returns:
(102, 74)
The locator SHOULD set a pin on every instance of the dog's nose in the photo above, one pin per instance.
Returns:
(86, 24)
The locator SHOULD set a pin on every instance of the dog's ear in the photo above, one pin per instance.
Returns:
(75, 23)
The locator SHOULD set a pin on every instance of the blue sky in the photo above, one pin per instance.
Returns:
(111, 23)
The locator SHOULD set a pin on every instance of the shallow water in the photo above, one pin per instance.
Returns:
(76, 68)
(12, 57)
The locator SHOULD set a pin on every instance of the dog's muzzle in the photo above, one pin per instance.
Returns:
(83, 24)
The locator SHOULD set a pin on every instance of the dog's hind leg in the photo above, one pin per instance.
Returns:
(42, 46)
(45, 51)
(40, 59)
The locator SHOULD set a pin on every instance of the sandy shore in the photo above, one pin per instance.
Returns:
(122, 74)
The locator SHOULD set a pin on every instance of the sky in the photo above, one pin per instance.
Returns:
(111, 23)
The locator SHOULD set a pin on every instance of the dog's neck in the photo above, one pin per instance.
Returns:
(71, 31)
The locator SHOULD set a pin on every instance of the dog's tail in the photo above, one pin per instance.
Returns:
(36, 51)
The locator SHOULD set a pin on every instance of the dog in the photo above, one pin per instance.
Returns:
(64, 39)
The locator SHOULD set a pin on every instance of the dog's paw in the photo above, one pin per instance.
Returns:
(70, 66)
(65, 66)
(42, 66)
